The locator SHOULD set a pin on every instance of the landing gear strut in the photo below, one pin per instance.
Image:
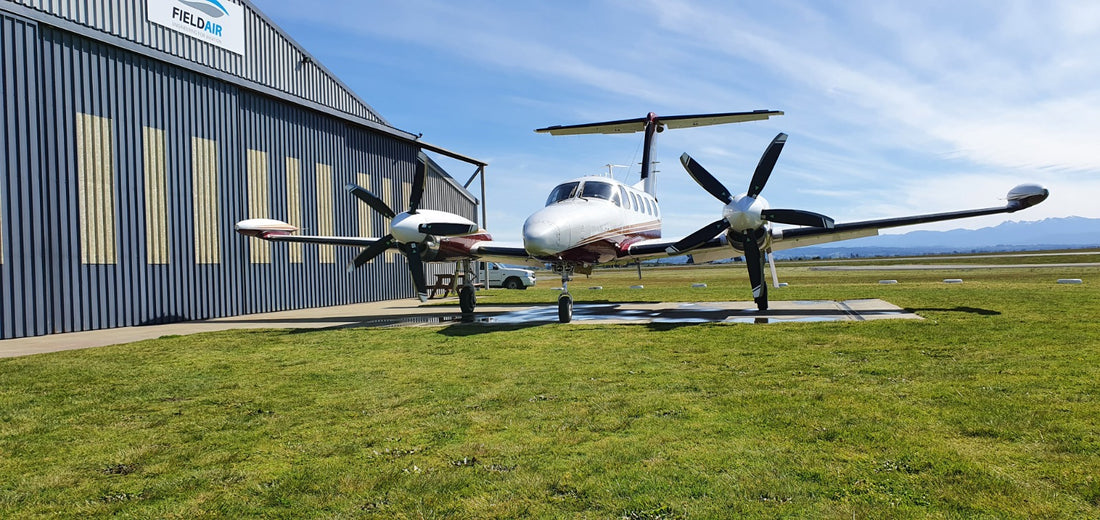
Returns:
(565, 301)
(467, 300)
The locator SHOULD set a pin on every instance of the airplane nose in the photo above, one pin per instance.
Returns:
(541, 237)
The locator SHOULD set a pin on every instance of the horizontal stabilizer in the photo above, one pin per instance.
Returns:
(628, 126)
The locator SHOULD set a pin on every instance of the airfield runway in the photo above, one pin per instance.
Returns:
(410, 313)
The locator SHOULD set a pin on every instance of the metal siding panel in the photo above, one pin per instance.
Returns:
(294, 206)
(131, 282)
(325, 219)
(95, 174)
(259, 250)
(204, 171)
(271, 58)
(156, 210)
(23, 284)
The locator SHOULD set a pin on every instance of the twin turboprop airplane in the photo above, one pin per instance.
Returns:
(596, 220)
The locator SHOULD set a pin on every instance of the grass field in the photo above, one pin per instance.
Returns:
(988, 408)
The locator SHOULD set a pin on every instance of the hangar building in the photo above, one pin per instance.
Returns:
(136, 133)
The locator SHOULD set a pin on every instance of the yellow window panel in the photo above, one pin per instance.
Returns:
(95, 180)
(204, 186)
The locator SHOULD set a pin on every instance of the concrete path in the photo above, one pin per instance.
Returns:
(408, 313)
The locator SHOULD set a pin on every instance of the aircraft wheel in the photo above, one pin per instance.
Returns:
(565, 308)
(466, 299)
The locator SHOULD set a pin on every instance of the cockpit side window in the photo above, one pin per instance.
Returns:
(562, 192)
(596, 190)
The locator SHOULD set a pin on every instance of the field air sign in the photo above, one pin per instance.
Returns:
(217, 22)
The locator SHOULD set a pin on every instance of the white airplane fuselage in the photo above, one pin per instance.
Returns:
(591, 220)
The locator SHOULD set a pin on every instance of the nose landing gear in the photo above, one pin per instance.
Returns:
(565, 300)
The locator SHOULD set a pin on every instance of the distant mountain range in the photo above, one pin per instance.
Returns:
(1051, 233)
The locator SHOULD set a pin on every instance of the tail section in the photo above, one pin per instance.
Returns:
(652, 125)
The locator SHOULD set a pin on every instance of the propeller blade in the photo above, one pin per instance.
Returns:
(443, 229)
(797, 217)
(417, 192)
(705, 179)
(370, 252)
(755, 262)
(416, 269)
(362, 194)
(699, 237)
(766, 164)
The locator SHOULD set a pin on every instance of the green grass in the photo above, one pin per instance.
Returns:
(986, 409)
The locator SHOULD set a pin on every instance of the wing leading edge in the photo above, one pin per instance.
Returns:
(1020, 197)
(628, 126)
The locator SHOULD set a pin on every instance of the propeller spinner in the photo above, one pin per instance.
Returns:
(746, 217)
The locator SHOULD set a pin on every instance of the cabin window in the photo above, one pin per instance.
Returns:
(634, 202)
(596, 190)
(562, 192)
(625, 197)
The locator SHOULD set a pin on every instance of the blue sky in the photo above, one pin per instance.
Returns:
(893, 108)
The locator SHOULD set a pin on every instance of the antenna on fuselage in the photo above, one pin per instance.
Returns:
(610, 171)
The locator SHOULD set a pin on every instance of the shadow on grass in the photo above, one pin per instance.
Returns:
(969, 310)
(462, 330)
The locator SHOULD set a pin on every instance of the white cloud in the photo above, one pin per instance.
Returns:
(892, 108)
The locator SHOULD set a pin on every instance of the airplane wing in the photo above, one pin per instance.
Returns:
(627, 126)
(334, 241)
(718, 248)
(503, 252)
(1021, 197)
(451, 249)
(279, 231)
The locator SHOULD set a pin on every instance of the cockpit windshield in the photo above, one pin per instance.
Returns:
(562, 192)
(597, 190)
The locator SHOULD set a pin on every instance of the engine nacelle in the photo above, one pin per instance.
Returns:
(264, 227)
(1025, 196)
(762, 235)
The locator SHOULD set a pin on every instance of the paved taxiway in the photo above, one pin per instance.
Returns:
(402, 313)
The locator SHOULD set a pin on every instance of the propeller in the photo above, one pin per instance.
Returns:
(746, 216)
(412, 245)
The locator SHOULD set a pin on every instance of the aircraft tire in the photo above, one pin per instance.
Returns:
(565, 308)
(467, 300)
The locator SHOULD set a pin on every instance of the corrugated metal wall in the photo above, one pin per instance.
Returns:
(123, 177)
(24, 277)
(272, 59)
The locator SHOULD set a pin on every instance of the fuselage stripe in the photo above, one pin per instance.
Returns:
(621, 231)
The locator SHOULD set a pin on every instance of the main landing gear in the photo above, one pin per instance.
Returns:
(467, 299)
(565, 300)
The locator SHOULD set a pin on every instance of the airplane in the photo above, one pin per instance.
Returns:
(597, 220)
